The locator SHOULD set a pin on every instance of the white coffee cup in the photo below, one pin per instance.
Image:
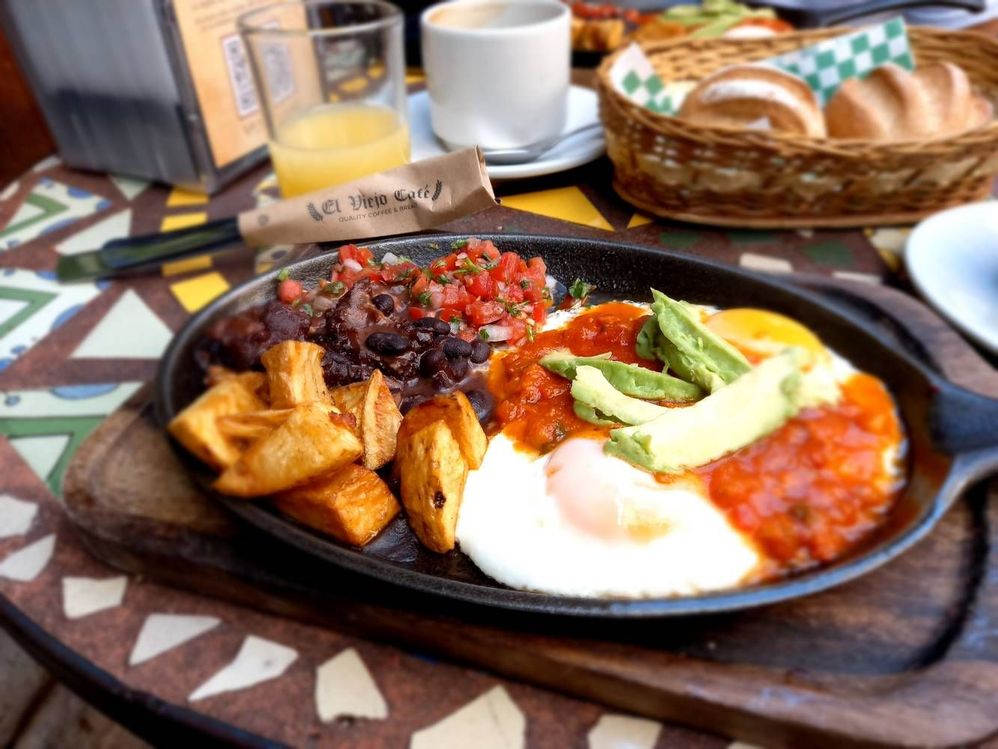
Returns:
(497, 71)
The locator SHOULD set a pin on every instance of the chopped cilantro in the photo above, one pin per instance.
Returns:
(443, 280)
(483, 334)
(468, 266)
(525, 283)
(531, 333)
(307, 309)
(424, 298)
(457, 244)
(333, 289)
(580, 289)
(283, 275)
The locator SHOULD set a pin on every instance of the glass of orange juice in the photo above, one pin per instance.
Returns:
(330, 78)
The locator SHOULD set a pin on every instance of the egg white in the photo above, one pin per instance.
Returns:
(517, 533)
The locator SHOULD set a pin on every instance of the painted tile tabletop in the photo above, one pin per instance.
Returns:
(71, 354)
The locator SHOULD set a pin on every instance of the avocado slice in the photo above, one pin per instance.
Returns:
(629, 379)
(590, 414)
(693, 351)
(592, 389)
(751, 407)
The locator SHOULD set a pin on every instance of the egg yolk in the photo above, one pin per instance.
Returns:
(758, 332)
(602, 495)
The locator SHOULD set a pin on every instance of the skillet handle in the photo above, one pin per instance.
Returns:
(964, 422)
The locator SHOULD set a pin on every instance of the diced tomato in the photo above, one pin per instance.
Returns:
(507, 267)
(352, 252)
(476, 249)
(417, 313)
(288, 290)
(483, 312)
(519, 328)
(455, 295)
(533, 294)
(537, 271)
(539, 312)
(399, 272)
(513, 293)
(481, 285)
(450, 314)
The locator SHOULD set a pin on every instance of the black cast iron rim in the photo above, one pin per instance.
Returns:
(501, 597)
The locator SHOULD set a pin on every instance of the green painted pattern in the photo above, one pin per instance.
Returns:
(48, 207)
(35, 300)
(77, 428)
(680, 240)
(833, 253)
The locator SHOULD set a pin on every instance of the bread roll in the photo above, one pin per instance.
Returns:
(758, 97)
(893, 104)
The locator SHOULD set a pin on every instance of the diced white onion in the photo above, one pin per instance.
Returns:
(497, 332)
(550, 281)
(352, 264)
(436, 299)
(390, 258)
(321, 303)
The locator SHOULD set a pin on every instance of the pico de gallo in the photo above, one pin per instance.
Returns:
(478, 290)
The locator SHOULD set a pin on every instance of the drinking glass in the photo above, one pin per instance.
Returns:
(330, 76)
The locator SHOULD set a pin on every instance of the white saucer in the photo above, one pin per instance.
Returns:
(583, 109)
(952, 259)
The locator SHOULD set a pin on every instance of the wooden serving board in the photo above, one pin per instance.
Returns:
(906, 656)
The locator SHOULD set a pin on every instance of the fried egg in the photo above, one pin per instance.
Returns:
(579, 522)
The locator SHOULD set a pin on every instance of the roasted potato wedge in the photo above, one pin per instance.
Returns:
(433, 472)
(197, 427)
(378, 418)
(311, 443)
(252, 426)
(456, 411)
(294, 374)
(353, 504)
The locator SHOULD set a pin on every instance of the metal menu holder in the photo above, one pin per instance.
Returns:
(158, 89)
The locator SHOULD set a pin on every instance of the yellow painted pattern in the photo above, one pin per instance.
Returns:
(179, 196)
(564, 203)
(201, 262)
(376, 71)
(182, 221)
(414, 76)
(195, 293)
(638, 219)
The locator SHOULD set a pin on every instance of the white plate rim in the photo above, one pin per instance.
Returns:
(919, 269)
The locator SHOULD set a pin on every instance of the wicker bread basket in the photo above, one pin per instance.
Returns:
(674, 169)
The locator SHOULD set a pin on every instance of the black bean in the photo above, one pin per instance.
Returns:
(432, 361)
(387, 344)
(384, 303)
(482, 403)
(455, 348)
(457, 368)
(433, 323)
(480, 351)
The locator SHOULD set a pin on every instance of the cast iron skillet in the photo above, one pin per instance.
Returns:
(953, 434)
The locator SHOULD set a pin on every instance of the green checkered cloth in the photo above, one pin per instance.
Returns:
(634, 75)
(824, 66)
(827, 64)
